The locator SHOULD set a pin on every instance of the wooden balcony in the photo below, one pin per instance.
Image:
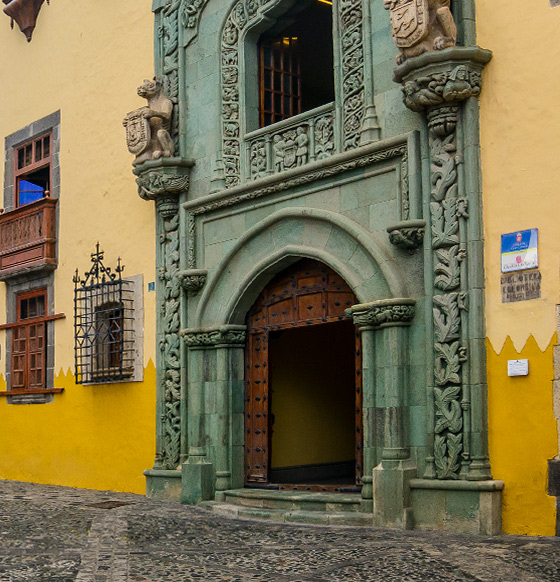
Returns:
(28, 238)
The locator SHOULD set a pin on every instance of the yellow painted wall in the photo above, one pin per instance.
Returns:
(86, 59)
(520, 141)
(523, 436)
(97, 437)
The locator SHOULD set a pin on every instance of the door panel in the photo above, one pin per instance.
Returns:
(308, 293)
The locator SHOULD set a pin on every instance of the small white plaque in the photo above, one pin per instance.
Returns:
(518, 367)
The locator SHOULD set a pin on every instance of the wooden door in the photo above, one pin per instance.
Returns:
(308, 293)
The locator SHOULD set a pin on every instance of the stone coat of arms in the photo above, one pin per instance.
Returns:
(409, 22)
(137, 131)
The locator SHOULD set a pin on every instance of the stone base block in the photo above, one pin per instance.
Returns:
(198, 483)
(162, 484)
(391, 494)
(473, 507)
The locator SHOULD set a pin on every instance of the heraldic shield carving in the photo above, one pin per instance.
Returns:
(409, 21)
(137, 131)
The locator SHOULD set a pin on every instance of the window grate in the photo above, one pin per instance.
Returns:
(103, 323)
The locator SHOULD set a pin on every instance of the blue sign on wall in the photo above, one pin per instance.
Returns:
(520, 250)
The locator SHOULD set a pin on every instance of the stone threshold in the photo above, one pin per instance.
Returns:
(344, 518)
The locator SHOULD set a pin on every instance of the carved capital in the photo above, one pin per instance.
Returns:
(207, 338)
(163, 178)
(408, 234)
(193, 280)
(443, 77)
(383, 313)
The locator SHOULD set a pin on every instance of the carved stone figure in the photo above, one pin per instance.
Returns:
(301, 146)
(419, 26)
(148, 128)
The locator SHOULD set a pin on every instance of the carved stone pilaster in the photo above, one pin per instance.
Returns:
(440, 83)
(163, 181)
(208, 338)
(383, 313)
(193, 280)
(408, 234)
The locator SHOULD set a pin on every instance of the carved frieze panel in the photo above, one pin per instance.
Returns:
(331, 167)
(168, 33)
(308, 139)
(383, 313)
(351, 23)
(226, 335)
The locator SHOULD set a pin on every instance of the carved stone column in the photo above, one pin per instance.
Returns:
(215, 396)
(385, 393)
(164, 181)
(444, 85)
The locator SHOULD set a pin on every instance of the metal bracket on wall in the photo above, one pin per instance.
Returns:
(25, 13)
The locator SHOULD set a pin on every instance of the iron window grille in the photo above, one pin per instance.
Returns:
(103, 323)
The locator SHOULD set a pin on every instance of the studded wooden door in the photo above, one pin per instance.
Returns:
(308, 293)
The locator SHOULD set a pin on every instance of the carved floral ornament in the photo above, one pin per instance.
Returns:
(383, 313)
(25, 13)
(226, 335)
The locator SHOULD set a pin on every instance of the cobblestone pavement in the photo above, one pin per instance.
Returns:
(58, 534)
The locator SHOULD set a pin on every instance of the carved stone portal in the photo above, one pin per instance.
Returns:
(25, 13)
(148, 129)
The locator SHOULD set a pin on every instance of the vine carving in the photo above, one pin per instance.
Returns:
(170, 343)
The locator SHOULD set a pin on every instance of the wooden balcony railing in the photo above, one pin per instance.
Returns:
(28, 238)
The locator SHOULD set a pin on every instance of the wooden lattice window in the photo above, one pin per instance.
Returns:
(32, 172)
(295, 61)
(280, 80)
(29, 341)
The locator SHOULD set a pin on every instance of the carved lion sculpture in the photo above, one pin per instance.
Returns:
(148, 128)
(419, 26)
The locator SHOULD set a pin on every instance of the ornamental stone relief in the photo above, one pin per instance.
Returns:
(351, 16)
(228, 335)
(439, 84)
(383, 313)
(275, 151)
(419, 26)
(170, 344)
(263, 158)
(168, 33)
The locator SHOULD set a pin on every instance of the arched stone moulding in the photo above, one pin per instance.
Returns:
(259, 249)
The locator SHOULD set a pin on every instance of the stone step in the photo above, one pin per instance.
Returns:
(294, 500)
(346, 518)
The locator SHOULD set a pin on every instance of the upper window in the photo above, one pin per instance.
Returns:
(296, 62)
(32, 171)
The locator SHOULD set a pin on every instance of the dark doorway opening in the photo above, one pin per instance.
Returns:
(312, 424)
